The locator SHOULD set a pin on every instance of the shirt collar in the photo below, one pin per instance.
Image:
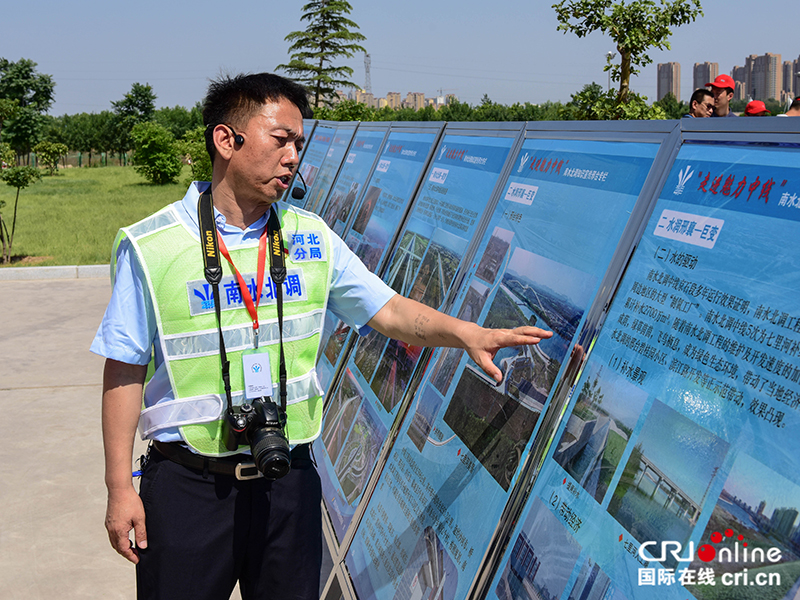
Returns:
(189, 205)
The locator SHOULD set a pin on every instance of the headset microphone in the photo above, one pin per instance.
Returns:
(297, 193)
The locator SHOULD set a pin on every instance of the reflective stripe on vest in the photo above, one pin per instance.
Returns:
(169, 253)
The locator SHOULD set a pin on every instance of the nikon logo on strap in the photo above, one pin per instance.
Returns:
(276, 244)
(209, 245)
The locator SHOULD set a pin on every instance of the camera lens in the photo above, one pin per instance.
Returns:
(271, 452)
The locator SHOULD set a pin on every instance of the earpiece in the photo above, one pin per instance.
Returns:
(237, 137)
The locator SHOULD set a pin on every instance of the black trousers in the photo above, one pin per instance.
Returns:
(206, 533)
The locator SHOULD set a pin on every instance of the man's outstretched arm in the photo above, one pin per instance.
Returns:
(122, 403)
(417, 324)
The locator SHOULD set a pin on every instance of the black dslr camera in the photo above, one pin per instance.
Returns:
(260, 424)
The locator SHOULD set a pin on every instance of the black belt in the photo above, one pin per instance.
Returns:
(232, 466)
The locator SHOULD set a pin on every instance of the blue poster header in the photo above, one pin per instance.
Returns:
(578, 169)
(455, 152)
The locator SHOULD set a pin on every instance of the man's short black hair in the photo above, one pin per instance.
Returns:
(698, 96)
(234, 100)
(795, 104)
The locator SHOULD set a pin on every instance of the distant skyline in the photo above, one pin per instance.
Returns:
(95, 51)
(751, 481)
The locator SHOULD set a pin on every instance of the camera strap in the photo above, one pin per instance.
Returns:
(211, 245)
(277, 272)
(212, 269)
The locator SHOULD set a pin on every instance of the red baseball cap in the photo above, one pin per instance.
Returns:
(724, 81)
(756, 108)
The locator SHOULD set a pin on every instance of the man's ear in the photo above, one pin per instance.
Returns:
(223, 141)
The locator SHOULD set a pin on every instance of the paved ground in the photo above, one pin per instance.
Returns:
(52, 540)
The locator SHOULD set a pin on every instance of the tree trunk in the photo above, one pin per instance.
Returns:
(624, 76)
(319, 82)
(3, 229)
(13, 224)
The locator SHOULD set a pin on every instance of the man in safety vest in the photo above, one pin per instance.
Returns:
(205, 517)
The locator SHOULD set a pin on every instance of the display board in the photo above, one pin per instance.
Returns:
(314, 152)
(318, 191)
(349, 187)
(379, 216)
(433, 243)
(674, 473)
(547, 247)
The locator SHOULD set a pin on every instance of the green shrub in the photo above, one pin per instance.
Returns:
(155, 153)
(49, 153)
(193, 147)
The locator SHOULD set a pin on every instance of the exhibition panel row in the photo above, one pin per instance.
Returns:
(641, 452)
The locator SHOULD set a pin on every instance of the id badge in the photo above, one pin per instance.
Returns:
(257, 378)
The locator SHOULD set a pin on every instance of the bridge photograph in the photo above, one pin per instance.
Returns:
(667, 477)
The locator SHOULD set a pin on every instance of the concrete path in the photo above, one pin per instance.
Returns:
(52, 497)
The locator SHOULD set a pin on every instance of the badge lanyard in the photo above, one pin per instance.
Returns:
(252, 307)
(213, 274)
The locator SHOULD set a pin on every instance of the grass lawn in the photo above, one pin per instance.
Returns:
(71, 218)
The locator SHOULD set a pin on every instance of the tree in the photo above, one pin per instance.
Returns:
(20, 178)
(138, 106)
(8, 108)
(33, 93)
(179, 120)
(49, 153)
(592, 103)
(193, 147)
(673, 109)
(6, 156)
(155, 155)
(634, 27)
(327, 37)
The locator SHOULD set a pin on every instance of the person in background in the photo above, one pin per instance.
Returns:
(756, 108)
(722, 88)
(701, 104)
(794, 109)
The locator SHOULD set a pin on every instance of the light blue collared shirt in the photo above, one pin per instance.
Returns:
(128, 331)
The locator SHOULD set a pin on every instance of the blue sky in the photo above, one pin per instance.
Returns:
(508, 49)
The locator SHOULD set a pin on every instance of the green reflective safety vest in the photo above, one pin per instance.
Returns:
(170, 255)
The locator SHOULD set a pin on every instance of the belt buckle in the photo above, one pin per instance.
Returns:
(247, 470)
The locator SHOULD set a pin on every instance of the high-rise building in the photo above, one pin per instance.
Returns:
(788, 70)
(366, 98)
(791, 77)
(765, 76)
(783, 520)
(703, 73)
(415, 100)
(739, 75)
(669, 80)
(393, 99)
